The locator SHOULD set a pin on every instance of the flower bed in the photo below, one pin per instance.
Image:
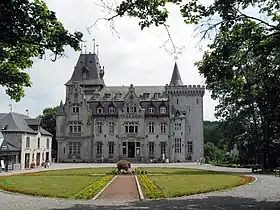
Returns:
(151, 190)
(93, 189)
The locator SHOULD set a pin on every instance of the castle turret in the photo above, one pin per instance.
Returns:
(88, 72)
(176, 77)
(186, 115)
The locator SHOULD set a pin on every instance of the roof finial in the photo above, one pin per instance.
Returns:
(85, 46)
(11, 107)
(97, 49)
(93, 46)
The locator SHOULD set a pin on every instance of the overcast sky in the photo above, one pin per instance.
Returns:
(135, 57)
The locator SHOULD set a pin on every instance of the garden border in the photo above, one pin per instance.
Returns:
(102, 190)
(140, 192)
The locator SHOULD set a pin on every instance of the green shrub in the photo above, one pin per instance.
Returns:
(151, 190)
(94, 188)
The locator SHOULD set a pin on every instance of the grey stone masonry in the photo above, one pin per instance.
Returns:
(99, 123)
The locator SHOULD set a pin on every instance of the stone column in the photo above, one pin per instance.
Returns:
(17, 158)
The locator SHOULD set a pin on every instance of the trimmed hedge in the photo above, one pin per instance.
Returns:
(93, 189)
(151, 190)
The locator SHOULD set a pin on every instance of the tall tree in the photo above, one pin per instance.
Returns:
(49, 124)
(241, 68)
(28, 29)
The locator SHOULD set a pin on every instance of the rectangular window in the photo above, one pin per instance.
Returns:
(178, 145)
(197, 101)
(131, 127)
(178, 126)
(163, 127)
(99, 128)
(190, 146)
(75, 127)
(163, 148)
(75, 109)
(151, 148)
(151, 127)
(124, 148)
(38, 143)
(111, 127)
(99, 148)
(27, 142)
(48, 143)
(74, 148)
(111, 148)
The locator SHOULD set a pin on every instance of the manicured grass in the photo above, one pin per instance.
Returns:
(75, 172)
(180, 185)
(170, 171)
(57, 186)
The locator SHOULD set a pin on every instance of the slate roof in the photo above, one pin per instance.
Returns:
(176, 77)
(145, 93)
(14, 122)
(90, 64)
(7, 145)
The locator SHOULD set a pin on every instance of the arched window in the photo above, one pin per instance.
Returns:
(99, 110)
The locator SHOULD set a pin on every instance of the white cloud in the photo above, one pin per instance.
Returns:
(135, 57)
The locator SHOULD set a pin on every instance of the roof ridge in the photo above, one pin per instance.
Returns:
(15, 120)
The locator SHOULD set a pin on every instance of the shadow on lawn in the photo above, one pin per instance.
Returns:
(209, 203)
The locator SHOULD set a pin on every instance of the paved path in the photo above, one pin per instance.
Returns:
(264, 194)
(123, 188)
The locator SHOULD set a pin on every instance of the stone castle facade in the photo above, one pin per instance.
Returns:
(139, 123)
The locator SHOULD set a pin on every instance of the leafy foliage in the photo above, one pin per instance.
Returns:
(49, 124)
(241, 67)
(28, 29)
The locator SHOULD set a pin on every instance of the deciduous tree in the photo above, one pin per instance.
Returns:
(28, 29)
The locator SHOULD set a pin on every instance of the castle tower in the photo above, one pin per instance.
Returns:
(186, 119)
(60, 122)
(89, 73)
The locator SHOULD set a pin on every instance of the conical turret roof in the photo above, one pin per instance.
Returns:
(176, 77)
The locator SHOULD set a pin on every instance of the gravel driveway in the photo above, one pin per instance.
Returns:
(262, 194)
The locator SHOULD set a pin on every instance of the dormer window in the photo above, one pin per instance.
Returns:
(156, 95)
(118, 95)
(107, 95)
(131, 108)
(162, 110)
(112, 109)
(85, 75)
(146, 95)
(99, 110)
(151, 109)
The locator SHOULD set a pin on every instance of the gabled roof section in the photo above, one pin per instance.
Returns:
(91, 63)
(112, 104)
(14, 122)
(176, 77)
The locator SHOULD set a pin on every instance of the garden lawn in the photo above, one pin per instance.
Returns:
(158, 170)
(76, 172)
(180, 185)
(58, 186)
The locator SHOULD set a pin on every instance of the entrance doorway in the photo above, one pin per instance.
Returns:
(27, 160)
(131, 150)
